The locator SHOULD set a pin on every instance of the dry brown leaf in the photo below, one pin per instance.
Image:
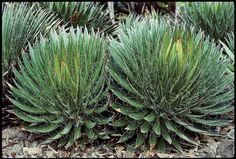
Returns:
(13, 154)
(230, 127)
(121, 16)
(152, 146)
(231, 133)
(8, 134)
(211, 143)
(50, 148)
(191, 151)
(75, 153)
(213, 146)
(42, 146)
(226, 129)
(32, 150)
(164, 155)
(128, 154)
(207, 138)
(63, 153)
(218, 129)
(22, 127)
(141, 155)
(150, 153)
(190, 155)
(50, 154)
(118, 150)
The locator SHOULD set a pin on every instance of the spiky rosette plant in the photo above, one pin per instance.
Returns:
(230, 41)
(133, 20)
(169, 84)
(60, 88)
(214, 18)
(21, 24)
(89, 14)
(229, 50)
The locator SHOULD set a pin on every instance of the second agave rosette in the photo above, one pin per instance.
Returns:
(169, 81)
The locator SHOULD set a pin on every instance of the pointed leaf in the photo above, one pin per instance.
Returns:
(152, 140)
(165, 134)
(162, 146)
(126, 136)
(27, 117)
(70, 142)
(89, 124)
(150, 117)
(132, 126)
(177, 145)
(127, 99)
(209, 122)
(91, 135)
(140, 140)
(120, 122)
(41, 128)
(59, 134)
(157, 128)
(77, 133)
(145, 127)
(138, 115)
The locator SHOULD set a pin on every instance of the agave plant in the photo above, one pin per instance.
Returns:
(168, 83)
(133, 20)
(214, 18)
(87, 14)
(230, 41)
(22, 24)
(130, 22)
(60, 88)
(229, 50)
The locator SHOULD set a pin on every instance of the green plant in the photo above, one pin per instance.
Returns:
(60, 88)
(133, 20)
(230, 41)
(89, 14)
(168, 82)
(229, 50)
(22, 24)
(214, 18)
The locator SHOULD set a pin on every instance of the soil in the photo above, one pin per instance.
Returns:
(17, 143)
